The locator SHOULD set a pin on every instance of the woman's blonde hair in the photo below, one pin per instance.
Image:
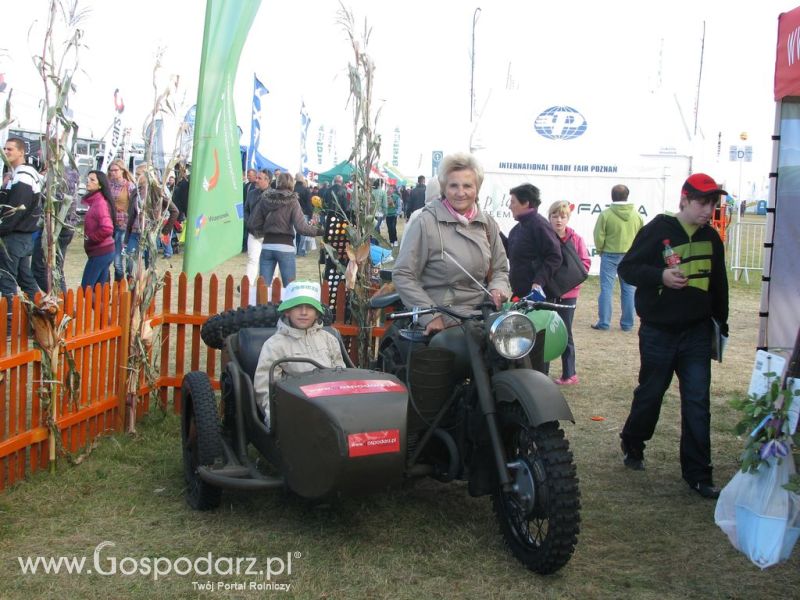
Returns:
(123, 169)
(285, 181)
(460, 161)
(561, 207)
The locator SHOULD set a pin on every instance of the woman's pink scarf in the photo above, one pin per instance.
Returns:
(464, 219)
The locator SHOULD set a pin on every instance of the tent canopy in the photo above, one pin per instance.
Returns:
(345, 169)
(394, 176)
(262, 162)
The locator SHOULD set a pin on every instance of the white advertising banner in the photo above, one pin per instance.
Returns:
(113, 139)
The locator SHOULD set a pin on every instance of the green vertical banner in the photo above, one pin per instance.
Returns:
(214, 219)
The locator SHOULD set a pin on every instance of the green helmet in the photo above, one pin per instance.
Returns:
(549, 326)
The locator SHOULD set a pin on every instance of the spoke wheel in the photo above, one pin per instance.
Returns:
(201, 440)
(540, 531)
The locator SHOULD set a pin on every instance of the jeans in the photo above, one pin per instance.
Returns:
(299, 239)
(15, 266)
(687, 354)
(96, 269)
(568, 358)
(391, 225)
(608, 273)
(285, 262)
(131, 248)
(119, 242)
(38, 259)
(164, 244)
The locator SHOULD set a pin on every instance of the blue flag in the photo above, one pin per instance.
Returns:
(259, 91)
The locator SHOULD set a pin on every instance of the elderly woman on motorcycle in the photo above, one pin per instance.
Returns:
(452, 248)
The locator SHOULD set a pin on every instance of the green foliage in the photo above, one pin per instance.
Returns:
(365, 156)
(764, 420)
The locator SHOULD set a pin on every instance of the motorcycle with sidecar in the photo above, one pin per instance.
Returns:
(462, 405)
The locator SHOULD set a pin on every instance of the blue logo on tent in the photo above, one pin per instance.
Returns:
(560, 123)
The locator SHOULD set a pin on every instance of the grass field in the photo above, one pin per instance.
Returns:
(643, 535)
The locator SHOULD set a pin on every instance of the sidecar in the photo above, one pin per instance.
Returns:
(333, 431)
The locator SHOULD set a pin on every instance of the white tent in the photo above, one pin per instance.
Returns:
(578, 154)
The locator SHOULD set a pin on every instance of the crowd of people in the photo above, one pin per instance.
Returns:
(675, 300)
(112, 226)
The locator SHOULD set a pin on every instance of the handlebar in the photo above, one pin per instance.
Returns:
(419, 311)
(522, 304)
(539, 305)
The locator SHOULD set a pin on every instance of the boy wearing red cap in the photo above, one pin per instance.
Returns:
(675, 303)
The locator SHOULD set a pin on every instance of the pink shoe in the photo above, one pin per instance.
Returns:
(568, 381)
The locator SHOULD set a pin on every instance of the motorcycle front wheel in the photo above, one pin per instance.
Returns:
(540, 518)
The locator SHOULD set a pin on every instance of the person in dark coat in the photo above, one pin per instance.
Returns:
(534, 252)
(304, 197)
(416, 199)
(335, 200)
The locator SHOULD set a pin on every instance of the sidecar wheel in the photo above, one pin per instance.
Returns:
(541, 531)
(200, 438)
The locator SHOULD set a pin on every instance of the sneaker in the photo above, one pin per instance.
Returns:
(568, 381)
(706, 489)
(596, 326)
(632, 459)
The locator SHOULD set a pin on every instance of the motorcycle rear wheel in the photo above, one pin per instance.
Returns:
(543, 537)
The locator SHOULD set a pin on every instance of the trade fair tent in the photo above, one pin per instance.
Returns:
(345, 169)
(576, 149)
(262, 162)
(780, 319)
(394, 177)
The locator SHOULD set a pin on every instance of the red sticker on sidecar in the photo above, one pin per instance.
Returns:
(373, 442)
(353, 386)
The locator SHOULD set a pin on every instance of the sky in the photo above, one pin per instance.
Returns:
(637, 61)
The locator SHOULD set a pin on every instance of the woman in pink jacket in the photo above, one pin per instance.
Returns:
(98, 230)
(559, 217)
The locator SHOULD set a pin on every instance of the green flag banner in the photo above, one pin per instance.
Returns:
(214, 219)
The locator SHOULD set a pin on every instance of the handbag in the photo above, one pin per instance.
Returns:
(570, 274)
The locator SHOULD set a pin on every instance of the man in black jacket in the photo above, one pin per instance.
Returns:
(416, 199)
(249, 186)
(335, 200)
(676, 304)
(20, 210)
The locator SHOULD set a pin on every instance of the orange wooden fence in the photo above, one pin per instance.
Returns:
(98, 337)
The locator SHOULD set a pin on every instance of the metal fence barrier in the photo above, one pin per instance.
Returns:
(746, 247)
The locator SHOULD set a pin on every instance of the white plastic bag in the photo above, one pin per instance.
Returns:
(759, 517)
(308, 243)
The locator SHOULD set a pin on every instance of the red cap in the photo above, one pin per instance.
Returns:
(701, 184)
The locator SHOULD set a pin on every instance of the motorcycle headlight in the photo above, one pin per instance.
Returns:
(512, 335)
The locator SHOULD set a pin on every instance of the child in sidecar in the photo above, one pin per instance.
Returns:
(300, 334)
